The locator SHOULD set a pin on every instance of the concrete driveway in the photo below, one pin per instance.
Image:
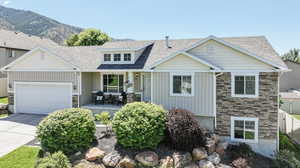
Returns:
(17, 130)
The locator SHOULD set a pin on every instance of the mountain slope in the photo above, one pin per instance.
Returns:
(35, 24)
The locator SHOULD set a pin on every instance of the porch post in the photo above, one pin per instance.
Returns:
(130, 89)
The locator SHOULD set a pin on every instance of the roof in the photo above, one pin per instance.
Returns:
(19, 40)
(88, 57)
(290, 95)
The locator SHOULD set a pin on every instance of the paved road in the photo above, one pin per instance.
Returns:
(17, 130)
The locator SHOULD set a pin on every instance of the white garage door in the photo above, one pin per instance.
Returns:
(42, 98)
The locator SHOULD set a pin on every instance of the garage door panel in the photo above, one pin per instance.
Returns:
(42, 98)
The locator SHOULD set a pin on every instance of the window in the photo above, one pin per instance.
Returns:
(113, 83)
(107, 57)
(11, 53)
(245, 85)
(181, 84)
(127, 57)
(244, 129)
(117, 57)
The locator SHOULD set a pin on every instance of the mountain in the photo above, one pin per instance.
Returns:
(35, 24)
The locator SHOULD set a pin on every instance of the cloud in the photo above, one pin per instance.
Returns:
(6, 2)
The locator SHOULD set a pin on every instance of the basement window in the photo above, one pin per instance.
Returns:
(244, 129)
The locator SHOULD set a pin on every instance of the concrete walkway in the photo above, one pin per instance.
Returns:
(17, 130)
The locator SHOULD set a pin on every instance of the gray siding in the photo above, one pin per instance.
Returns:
(290, 80)
(201, 103)
(87, 88)
(5, 59)
(44, 77)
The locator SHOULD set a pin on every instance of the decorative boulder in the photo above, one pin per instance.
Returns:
(215, 138)
(199, 154)
(147, 158)
(210, 146)
(86, 164)
(168, 162)
(191, 165)
(223, 166)
(240, 163)
(94, 154)
(181, 160)
(112, 159)
(206, 164)
(126, 162)
(221, 147)
(214, 158)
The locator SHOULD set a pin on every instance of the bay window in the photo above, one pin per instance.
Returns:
(113, 83)
(117, 57)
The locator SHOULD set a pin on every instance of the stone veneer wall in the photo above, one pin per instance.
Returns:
(265, 107)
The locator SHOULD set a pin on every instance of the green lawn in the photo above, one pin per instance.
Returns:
(23, 157)
(297, 116)
(4, 100)
(3, 115)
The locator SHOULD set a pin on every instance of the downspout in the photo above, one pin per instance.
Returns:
(278, 85)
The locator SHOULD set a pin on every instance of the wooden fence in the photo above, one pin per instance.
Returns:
(3, 87)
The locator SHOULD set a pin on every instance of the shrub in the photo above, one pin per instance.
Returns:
(140, 125)
(241, 150)
(67, 130)
(103, 117)
(287, 159)
(56, 160)
(183, 130)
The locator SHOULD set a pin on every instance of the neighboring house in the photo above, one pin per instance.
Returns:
(290, 80)
(291, 101)
(12, 46)
(230, 84)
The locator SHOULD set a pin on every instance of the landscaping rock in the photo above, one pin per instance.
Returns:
(221, 147)
(86, 164)
(147, 158)
(94, 154)
(112, 159)
(168, 162)
(210, 146)
(199, 154)
(215, 138)
(181, 160)
(191, 165)
(223, 166)
(206, 164)
(126, 162)
(240, 163)
(214, 158)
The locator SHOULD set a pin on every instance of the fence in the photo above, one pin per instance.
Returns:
(3, 87)
(289, 125)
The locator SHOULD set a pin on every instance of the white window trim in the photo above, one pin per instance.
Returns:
(192, 74)
(122, 58)
(108, 73)
(245, 95)
(244, 119)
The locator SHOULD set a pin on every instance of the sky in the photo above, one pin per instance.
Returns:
(278, 20)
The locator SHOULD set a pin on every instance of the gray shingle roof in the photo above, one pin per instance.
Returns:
(88, 58)
(19, 40)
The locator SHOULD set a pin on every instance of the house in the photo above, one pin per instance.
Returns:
(290, 88)
(231, 84)
(12, 46)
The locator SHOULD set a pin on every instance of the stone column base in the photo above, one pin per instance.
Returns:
(130, 97)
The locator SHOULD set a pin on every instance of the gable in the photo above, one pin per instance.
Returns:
(39, 59)
(182, 62)
(227, 58)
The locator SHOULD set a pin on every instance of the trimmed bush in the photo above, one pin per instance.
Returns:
(56, 160)
(241, 150)
(103, 117)
(140, 125)
(67, 130)
(183, 130)
(287, 159)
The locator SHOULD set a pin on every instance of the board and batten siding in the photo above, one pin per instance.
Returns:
(18, 76)
(201, 104)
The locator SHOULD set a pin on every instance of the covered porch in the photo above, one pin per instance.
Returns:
(109, 91)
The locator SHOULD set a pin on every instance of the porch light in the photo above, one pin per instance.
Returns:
(9, 85)
(74, 87)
